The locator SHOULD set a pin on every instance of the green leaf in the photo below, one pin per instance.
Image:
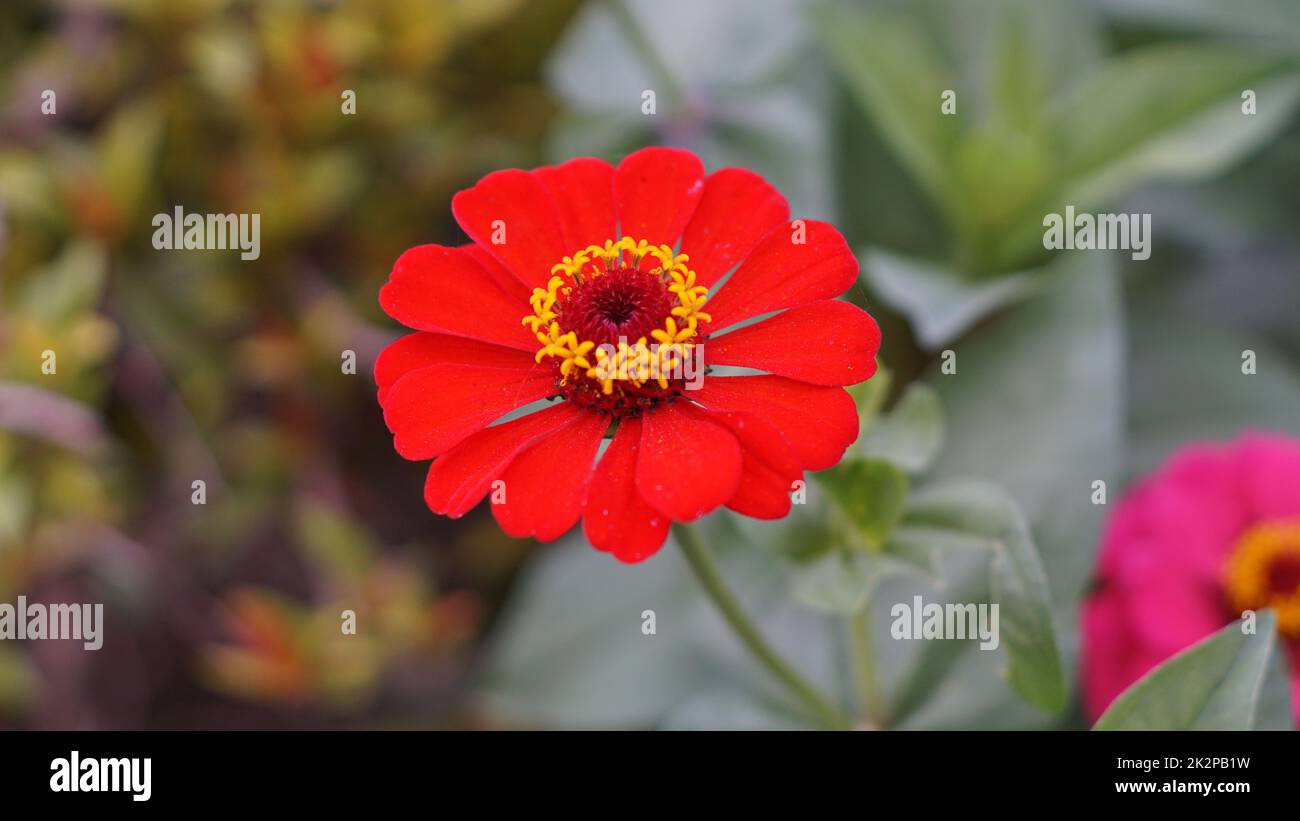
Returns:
(17, 502)
(127, 153)
(870, 492)
(1213, 685)
(329, 537)
(910, 435)
(995, 44)
(1004, 173)
(1141, 97)
(27, 186)
(1216, 139)
(870, 397)
(939, 303)
(732, 708)
(921, 545)
(944, 684)
(989, 163)
(842, 581)
(895, 72)
(880, 201)
(1260, 18)
(1036, 405)
(1018, 583)
(1041, 121)
(568, 650)
(1275, 710)
(1019, 87)
(71, 284)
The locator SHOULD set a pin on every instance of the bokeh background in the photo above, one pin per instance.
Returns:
(175, 367)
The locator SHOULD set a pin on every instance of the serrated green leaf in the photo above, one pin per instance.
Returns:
(1213, 685)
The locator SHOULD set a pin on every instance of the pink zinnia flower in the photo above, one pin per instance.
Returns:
(1215, 531)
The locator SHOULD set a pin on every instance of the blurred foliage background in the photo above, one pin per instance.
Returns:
(176, 367)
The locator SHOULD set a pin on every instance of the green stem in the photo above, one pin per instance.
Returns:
(871, 700)
(659, 70)
(706, 571)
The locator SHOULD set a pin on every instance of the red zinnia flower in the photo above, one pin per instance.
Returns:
(587, 284)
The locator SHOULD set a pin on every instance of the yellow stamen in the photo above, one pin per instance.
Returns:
(636, 363)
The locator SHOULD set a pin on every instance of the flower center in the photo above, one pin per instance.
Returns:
(1264, 571)
(624, 303)
(621, 324)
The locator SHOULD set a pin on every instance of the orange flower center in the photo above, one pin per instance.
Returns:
(622, 325)
(1264, 571)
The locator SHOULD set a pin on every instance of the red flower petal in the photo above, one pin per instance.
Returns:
(759, 439)
(432, 409)
(433, 288)
(688, 464)
(617, 520)
(421, 350)
(762, 493)
(459, 479)
(546, 485)
(783, 273)
(656, 191)
(529, 224)
(789, 405)
(737, 210)
(769, 465)
(583, 190)
(501, 275)
(826, 343)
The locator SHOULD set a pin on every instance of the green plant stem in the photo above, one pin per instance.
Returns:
(870, 699)
(659, 70)
(706, 571)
